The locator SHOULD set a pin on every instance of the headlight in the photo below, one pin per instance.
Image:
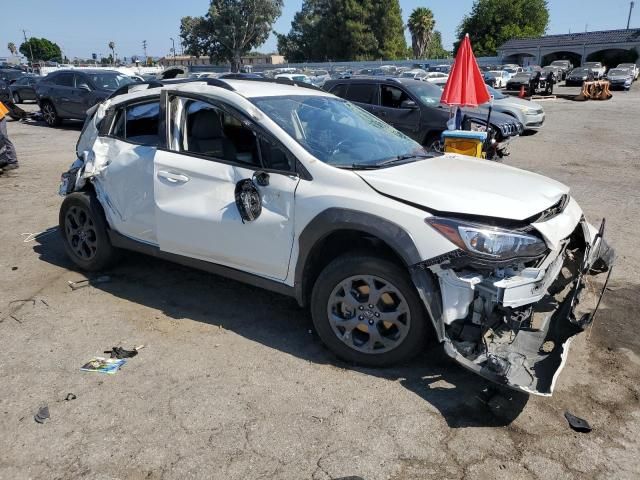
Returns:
(488, 242)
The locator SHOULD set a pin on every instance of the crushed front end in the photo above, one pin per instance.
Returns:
(511, 320)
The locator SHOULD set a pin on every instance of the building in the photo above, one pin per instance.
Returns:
(189, 60)
(608, 46)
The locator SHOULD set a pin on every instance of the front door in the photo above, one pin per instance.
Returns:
(212, 149)
(397, 113)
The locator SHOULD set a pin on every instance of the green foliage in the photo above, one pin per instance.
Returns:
(421, 24)
(43, 49)
(493, 22)
(388, 29)
(230, 29)
(435, 48)
(12, 48)
(344, 30)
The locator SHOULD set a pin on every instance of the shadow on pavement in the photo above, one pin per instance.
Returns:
(65, 125)
(463, 398)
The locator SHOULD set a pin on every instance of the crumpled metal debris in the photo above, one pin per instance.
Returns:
(42, 415)
(576, 423)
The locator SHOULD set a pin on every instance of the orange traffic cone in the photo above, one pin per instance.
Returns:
(521, 94)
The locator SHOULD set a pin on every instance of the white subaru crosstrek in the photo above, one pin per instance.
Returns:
(295, 190)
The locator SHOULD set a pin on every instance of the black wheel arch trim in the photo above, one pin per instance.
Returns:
(335, 219)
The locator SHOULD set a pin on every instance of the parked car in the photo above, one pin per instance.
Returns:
(414, 108)
(565, 67)
(528, 113)
(296, 77)
(5, 92)
(318, 77)
(10, 75)
(24, 88)
(441, 68)
(635, 70)
(556, 71)
(495, 78)
(620, 78)
(416, 74)
(68, 94)
(597, 68)
(437, 78)
(519, 80)
(390, 244)
(511, 71)
(578, 76)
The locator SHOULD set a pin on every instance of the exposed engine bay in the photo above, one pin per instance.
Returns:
(512, 324)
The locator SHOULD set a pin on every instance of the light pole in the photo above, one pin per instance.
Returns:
(173, 42)
(630, 10)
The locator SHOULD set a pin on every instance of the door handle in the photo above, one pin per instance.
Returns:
(173, 177)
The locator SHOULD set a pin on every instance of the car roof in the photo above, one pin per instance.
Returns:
(244, 87)
(84, 70)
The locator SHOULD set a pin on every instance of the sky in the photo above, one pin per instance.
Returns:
(84, 27)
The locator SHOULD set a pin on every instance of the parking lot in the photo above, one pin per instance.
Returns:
(234, 384)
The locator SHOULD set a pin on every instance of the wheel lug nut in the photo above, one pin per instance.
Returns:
(377, 314)
(370, 306)
(360, 317)
(370, 322)
(361, 307)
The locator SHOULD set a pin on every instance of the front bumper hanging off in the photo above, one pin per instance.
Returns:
(516, 330)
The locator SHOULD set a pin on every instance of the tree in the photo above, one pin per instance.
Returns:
(112, 47)
(12, 48)
(435, 49)
(43, 49)
(344, 30)
(493, 22)
(421, 24)
(388, 29)
(230, 29)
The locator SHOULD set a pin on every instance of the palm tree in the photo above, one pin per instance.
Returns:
(112, 47)
(421, 24)
(12, 48)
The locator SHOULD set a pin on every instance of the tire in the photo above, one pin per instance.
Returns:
(345, 321)
(84, 232)
(16, 98)
(434, 143)
(50, 114)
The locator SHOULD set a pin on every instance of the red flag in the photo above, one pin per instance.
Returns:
(465, 87)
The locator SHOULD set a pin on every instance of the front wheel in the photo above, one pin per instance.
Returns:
(84, 232)
(367, 311)
(50, 114)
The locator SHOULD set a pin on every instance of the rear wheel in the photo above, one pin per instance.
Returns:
(50, 115)
(16, 98)
(367, 311)
(83, 228)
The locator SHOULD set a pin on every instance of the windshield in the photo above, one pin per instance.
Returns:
(579, 71)
(618, 71)
(109, 81)
(592, 64)
(559, 63)
(522, 76)
(338, 132)
(427, 92)
(493, 74)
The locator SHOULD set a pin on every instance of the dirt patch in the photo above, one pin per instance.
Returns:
(617, 324)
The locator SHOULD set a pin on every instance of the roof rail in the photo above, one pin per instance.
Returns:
(281, 81)
(216, 82)
(123, 90)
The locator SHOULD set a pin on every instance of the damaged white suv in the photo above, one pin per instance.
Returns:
(295, 190)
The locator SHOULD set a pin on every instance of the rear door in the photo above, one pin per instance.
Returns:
(394, 110)
(217, 163)
(62, 92)
(363, 94)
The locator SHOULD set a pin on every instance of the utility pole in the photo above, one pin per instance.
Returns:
(174, 49)
(24, 32)
(144, 47)
(631, 5)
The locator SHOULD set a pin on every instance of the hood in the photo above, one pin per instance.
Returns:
(517, 102)
(465, 185)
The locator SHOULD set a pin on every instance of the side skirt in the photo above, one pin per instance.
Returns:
(120, 241)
